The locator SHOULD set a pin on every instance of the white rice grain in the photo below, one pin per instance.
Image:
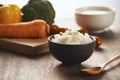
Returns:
(72, 37)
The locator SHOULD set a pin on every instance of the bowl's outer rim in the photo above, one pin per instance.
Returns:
(109, 9)
(92, 37)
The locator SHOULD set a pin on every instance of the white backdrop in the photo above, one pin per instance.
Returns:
(66, 8)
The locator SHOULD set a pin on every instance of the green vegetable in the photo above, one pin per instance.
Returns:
(38, 9)
(1, 5)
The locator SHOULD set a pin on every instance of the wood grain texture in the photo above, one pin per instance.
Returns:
(14, 66)
(26, 46)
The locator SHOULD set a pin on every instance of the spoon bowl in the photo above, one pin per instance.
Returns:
(92, 70)
(99, 69)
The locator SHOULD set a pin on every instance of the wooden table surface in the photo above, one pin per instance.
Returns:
(16, 66)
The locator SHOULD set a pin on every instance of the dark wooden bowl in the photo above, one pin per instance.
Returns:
(71, 54)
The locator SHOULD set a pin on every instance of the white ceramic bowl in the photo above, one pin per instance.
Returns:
(95, 18)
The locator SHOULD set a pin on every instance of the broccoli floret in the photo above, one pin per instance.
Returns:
(38, 9)
(1, 5)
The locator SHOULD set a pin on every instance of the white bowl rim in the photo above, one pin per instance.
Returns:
(97, 8)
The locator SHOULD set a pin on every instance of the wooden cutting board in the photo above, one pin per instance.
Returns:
(26, 46)
(33, 46)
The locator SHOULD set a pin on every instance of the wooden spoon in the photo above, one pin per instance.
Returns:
(99, 69)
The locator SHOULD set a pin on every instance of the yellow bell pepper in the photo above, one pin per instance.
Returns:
(10, 13)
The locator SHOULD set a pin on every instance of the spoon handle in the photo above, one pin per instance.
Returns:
(111, 60)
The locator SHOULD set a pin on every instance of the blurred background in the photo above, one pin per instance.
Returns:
(66, 8)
